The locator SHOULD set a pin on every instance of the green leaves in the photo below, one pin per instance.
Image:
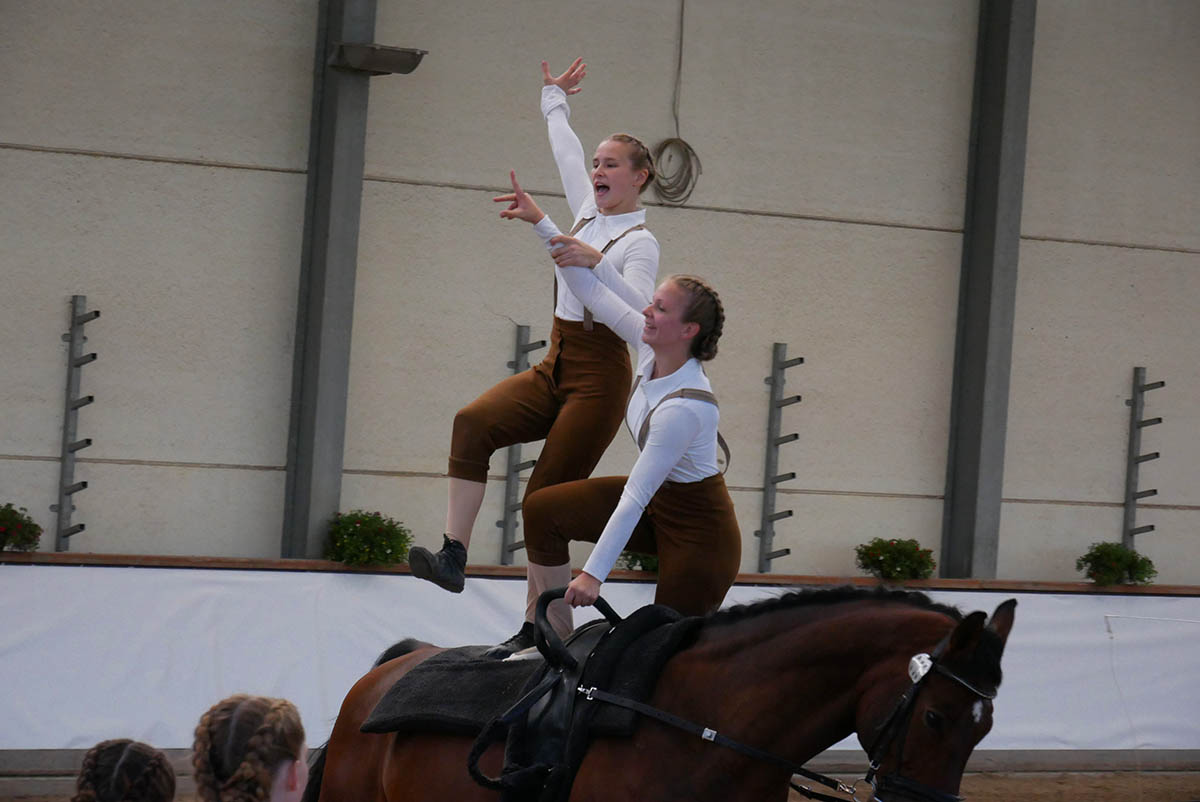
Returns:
(636, 561)
(895, 559)
(18, 532)
(367, 538)
(1116, 564)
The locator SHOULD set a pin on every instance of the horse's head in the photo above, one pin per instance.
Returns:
(921, 742)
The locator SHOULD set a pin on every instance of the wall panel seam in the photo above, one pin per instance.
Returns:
(234, 466)
(180, 160)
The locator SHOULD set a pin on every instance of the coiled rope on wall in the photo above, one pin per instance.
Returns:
(676, 164)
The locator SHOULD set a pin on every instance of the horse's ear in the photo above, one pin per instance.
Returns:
(1002, 620)
(966, 634)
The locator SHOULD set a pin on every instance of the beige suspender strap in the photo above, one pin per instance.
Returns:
(588, 320)
(613, 242)
(686, 392)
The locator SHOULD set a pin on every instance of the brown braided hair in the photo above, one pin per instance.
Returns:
(639, 157)
(240, 742)
(121, 770)
(704, 308)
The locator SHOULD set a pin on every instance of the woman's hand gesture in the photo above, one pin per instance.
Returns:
(570, 252)
(521, 205)
(569, 80)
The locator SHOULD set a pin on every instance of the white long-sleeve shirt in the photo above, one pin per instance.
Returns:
(681, 445)
(630, 267)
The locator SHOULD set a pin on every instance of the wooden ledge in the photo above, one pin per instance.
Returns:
(517, 571)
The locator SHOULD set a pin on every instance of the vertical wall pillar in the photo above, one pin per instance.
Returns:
(325, 313)
(346, 59)
(987, 291)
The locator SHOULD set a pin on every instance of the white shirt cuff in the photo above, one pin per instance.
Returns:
(553, 97)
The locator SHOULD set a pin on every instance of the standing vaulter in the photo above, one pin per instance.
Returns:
(573, 399)
(674, 502)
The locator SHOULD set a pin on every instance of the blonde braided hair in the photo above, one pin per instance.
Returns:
(240, 742)
(121, 770)
(704, 308)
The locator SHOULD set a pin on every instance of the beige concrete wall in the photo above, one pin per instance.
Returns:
(783, 107)
(223, 80)
(1109, 280)
(153, 158)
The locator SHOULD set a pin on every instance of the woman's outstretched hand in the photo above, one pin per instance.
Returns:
(583, 590)
(570, 252)
(569, 80)
(520, 204)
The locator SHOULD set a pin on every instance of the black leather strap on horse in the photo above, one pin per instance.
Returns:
(588, 320)
(497, 730)
(560, 664)
(712, 736)
(686, 392)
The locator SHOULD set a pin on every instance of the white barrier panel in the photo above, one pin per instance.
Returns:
(88, 653)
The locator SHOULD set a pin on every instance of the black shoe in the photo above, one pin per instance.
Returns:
(444, 569)
(519, 642)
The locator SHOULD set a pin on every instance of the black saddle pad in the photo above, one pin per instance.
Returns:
(455, 692)
(630, 662)
(458, 691)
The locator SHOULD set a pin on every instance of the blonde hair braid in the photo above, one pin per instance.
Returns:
(240, 742)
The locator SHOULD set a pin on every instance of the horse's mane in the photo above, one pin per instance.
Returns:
(810, 597)
(984, 661)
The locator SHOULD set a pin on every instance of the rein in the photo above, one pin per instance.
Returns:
(920, 666)
(712, 736)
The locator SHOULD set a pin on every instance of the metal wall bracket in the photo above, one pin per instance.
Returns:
(76, 359)
(766, 532)
(512, 476)
(1134, 458)
(375, 59)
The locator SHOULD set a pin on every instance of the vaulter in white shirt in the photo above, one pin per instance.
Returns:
(629, 266)
(674, 502)
(574, 398)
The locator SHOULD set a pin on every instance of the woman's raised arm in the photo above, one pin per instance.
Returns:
(564, 144)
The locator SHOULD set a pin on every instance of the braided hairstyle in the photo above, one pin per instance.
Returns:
(122, 770)
(240, 742)
(705, 308)
(639, 156)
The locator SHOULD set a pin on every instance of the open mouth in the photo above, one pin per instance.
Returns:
(601, 189)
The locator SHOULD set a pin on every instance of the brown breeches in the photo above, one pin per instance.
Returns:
(689, 525)
(574, 400)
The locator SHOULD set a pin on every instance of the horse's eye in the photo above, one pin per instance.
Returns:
(934, 720)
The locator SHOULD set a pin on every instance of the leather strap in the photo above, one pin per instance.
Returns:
(588, 319)
(712, 736)
(686, 392)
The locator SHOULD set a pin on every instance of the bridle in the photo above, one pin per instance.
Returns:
(919, 669)
(864, 790)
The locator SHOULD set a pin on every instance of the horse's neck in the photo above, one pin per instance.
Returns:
(804, 665)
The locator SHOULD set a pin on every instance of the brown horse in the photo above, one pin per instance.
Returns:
(790, 676)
